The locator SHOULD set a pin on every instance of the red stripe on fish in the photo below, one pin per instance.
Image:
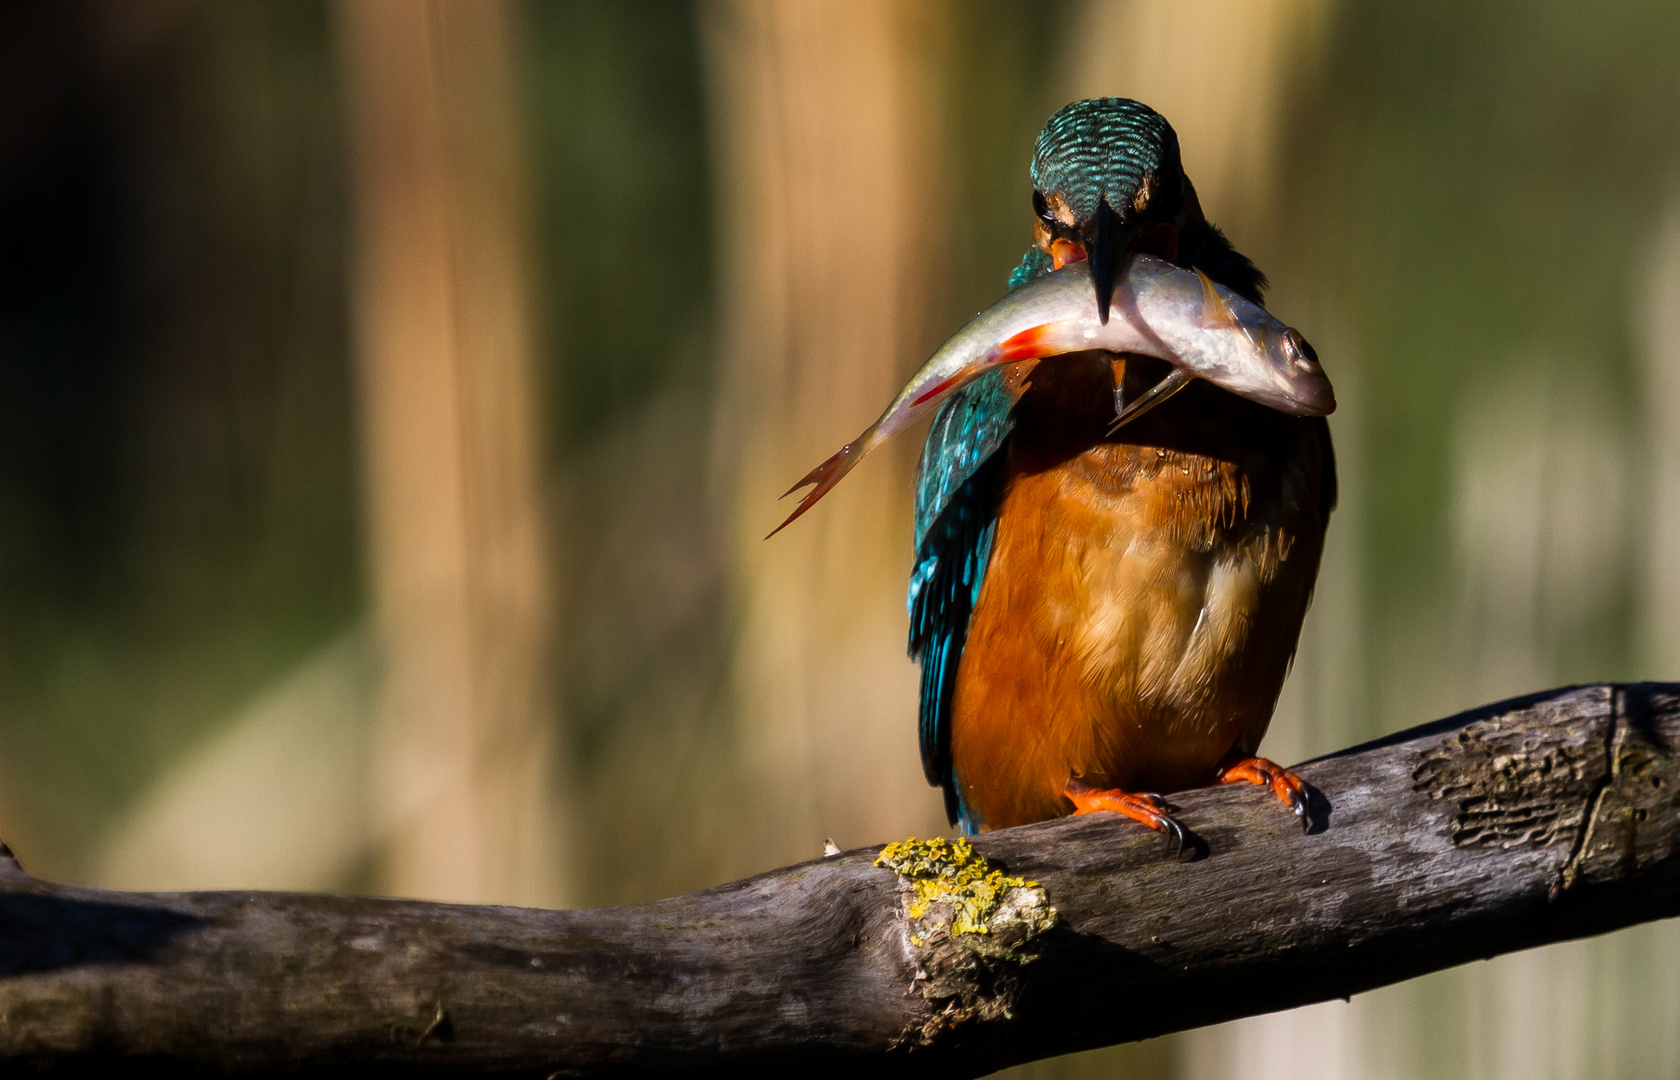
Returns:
(939, 388)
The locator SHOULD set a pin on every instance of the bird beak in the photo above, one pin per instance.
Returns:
(1107, 240)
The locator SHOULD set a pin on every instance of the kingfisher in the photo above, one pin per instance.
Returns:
(1101, 614)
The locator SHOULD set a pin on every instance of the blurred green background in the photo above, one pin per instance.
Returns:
(627, 269)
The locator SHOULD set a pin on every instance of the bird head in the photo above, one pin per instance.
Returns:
(1107, 181)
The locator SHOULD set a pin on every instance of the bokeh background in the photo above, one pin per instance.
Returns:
(394, 395)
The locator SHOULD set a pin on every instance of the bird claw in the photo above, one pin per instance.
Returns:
(1303, 809)
(1146, 808)
(1177, 832)
(1289, 788)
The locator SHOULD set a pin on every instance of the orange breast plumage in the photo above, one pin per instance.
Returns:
(1143, 599)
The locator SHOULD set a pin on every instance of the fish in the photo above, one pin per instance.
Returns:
(1202, 329)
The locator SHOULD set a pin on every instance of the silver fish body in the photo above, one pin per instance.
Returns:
(1202, 329)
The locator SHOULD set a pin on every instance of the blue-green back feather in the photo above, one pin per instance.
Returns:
(956, 517)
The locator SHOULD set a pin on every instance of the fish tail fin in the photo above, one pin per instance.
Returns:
(825, 476)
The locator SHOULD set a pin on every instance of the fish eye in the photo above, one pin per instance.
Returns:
(1300, 352)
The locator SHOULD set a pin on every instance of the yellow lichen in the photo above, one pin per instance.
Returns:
(952, 872)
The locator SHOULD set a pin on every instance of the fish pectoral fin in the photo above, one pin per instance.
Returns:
(1215, 315)
(1033, 343)
(1176, 380)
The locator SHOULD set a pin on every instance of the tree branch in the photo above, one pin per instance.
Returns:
(1532, 821)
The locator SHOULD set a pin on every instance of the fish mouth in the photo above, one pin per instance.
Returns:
(1315, 400)
(1310, 391)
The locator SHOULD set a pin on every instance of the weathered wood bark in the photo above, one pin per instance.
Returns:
(1532, 821)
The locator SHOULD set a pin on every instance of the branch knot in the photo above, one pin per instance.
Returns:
(971, 926)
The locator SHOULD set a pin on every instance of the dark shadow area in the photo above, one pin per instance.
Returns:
(1055, 1011)
(1641, 704)
(178, 524)
(1319, 809)
(50, 933)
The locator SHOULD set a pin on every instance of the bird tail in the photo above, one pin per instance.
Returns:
(826, 475)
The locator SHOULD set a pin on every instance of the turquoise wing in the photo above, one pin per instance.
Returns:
(956, 518)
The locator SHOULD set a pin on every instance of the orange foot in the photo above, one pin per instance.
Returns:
(1149, 809)
(1288, 787)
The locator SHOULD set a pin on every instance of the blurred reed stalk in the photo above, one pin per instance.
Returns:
(1660, 333)
(1219, 72)
(464, 776)
(830, 227)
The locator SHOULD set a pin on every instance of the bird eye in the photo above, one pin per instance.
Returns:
(1042, 208)
(1300, 352)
